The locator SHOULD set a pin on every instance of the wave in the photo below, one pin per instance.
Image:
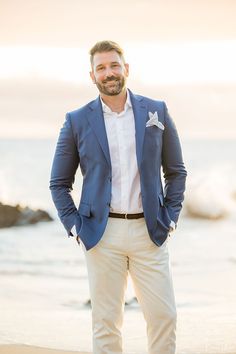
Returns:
(211, 194)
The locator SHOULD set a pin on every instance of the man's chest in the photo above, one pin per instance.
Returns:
(120, 132)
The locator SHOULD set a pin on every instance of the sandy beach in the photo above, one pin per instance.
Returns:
(43, 314)
(28, 349)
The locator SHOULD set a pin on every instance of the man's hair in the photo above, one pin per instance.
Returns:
(106, 46)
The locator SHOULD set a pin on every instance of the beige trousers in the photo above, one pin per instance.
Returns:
(125, 248)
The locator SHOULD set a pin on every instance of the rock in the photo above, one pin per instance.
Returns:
(133, 302)
(16, 215)
(88, 303)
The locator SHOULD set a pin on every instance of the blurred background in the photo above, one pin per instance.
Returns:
(182, 52)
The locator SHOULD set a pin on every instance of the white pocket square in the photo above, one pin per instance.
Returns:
(153, 120)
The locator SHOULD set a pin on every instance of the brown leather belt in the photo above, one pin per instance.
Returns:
(126, 216)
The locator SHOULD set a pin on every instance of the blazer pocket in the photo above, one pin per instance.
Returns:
(84, 209)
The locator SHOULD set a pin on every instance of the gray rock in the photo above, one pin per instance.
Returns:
(15, 215)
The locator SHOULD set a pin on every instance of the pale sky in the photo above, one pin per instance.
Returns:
(166, 41)
(76, 23)
(181, 51)
(151, 63)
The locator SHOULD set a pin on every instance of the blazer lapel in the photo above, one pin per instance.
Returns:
(140, 117)
(96, 120)
(97, 123)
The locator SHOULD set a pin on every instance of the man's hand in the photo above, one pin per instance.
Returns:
(172, 226)
(77, 239)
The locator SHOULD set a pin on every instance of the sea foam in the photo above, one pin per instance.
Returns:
(211, 194)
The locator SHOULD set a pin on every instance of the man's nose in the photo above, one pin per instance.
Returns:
(108, 72)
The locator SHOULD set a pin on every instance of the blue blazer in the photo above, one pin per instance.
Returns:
(83, 141)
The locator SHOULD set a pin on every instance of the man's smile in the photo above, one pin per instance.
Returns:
(112, 81)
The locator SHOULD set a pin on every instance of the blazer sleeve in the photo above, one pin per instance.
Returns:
(64, 166)
(173, 168)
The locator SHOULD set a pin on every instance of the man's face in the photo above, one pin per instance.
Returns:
(109, 73)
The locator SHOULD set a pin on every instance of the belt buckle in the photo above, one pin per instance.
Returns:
(126, 216)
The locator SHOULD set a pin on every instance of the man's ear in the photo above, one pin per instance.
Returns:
(91, 73)
(126, 69)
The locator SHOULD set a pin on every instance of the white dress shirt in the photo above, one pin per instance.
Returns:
(120, 129)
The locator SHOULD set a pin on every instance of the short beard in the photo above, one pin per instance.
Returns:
(113, 91)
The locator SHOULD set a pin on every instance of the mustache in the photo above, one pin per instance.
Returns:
(110, 78)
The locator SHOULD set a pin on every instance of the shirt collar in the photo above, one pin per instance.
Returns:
(107, 109)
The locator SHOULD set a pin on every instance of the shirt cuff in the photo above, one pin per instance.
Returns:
(73, 231)
(172, 226)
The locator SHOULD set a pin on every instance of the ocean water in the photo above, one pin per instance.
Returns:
(44, 286)
(26, 164)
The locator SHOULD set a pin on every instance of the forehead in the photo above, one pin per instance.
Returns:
(104, 58)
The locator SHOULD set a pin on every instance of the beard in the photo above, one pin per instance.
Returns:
(112, 86)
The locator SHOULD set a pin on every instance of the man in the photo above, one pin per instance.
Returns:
(121, 141)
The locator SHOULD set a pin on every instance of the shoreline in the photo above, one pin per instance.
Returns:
(30, 349)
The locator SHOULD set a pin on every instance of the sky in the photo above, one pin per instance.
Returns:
(176, 50)
(75, 23)
(180, 62)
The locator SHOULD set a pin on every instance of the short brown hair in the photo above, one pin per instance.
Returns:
(106, 46)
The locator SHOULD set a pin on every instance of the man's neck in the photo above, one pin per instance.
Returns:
(115, 103)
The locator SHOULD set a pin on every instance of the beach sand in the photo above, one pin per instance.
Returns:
(40, 312)
(28, 349)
